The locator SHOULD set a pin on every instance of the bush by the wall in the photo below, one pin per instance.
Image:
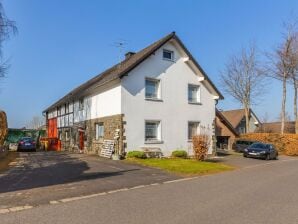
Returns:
(201, 144)
(3, 127)
(284, 143)
(179, 154)
(136, 154)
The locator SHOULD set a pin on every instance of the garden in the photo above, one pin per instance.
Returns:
(180, 162)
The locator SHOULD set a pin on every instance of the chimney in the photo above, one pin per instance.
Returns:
(129, 54)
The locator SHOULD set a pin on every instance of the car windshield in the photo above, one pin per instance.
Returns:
(258, 146)
(243, 143)
(26, 139)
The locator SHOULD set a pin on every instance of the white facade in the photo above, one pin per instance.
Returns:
(105, 101)
(173, 111)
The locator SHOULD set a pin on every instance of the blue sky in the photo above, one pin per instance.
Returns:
(61, 44)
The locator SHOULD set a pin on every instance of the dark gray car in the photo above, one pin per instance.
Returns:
(261, 150)
(27, 144)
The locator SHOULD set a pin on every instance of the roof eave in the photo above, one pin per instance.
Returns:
(221, 97)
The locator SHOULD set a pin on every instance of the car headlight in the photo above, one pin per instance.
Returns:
(245, 150)
(263, 152)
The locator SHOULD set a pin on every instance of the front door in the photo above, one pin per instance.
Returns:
(81, 145)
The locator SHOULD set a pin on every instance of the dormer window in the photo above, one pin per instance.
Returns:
(168, 55)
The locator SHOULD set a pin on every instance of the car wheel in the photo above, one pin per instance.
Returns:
(276, 157)
(244, 155)
(268, 157)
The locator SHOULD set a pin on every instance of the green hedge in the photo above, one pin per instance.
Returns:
(136, 154)
(179, 154)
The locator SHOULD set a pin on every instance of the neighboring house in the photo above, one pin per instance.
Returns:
(238, 121)
(157, 98)
(225, 132)
(275, 127)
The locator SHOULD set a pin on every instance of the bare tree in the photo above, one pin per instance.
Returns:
(36, 122)
(283, 64)
(293, 60)
(7, 28)
(244, 79)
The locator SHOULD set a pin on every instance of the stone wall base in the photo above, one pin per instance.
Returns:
(70, 140)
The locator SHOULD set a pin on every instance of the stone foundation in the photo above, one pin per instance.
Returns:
(91, 145)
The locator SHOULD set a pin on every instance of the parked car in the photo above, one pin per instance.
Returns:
(27, 144)
(240, 145)
(261, 150)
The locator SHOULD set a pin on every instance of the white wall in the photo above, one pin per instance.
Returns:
(102, 103)
(174, 111)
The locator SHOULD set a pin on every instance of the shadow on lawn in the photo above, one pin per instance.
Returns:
(47, 169)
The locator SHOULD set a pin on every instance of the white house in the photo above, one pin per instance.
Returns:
(156, 98)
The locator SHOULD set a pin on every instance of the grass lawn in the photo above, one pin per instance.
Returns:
(183, 166)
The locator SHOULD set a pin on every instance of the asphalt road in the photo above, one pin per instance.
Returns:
(38, 178)
(264, 192)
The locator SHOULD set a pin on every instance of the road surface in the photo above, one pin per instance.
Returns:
(264, 192)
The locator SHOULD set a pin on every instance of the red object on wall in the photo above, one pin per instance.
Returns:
(81, 140)
(54, 144)
(52, 128)
(53, 141)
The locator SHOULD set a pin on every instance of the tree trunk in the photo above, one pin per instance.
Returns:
(283, 104)
(295, 107)
(246, 112)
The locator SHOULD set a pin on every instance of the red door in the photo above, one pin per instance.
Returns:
(81, 140)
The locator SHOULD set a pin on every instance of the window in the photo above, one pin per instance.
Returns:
(152, 131)
(193, 94)
(99, 131)
(152, 88)
(81, 104)
(168, 55)
(193, 129)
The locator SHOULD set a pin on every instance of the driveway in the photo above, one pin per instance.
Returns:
(258, 193)
(37, 178)
(237, 160)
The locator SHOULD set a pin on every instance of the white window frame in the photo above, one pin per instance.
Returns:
(97, 134)
(158, 138)
(168, 51)
(198, 129)
(158, 91)
(198, 93)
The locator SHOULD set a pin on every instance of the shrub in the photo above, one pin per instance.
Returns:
(136, 154)
(179, 154)
(201, 144)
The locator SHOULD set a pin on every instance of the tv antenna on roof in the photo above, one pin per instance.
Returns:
(120, 44)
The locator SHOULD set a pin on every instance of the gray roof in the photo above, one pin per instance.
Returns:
(121, 69)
